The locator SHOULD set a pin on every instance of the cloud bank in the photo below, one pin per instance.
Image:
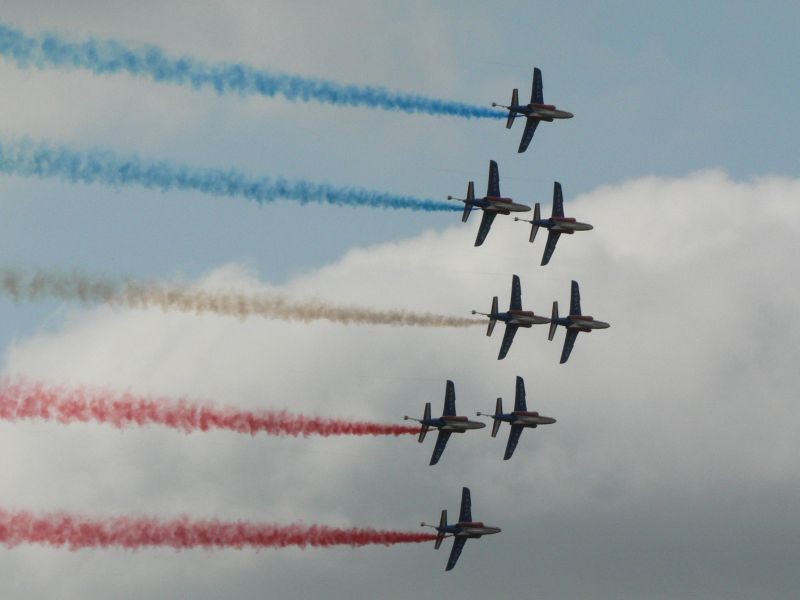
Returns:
(672, 469)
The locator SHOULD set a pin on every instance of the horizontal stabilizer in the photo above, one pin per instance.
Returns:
(442, 525)
(534, 223)
(492, 320)
(467, 210)
(497, 412)
(511, 114)
(553, 321)
(425, 418)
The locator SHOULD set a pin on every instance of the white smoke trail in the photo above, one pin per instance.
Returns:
(76, 286)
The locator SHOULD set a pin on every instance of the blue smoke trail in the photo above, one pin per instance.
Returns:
(39, 159)
(109, 56)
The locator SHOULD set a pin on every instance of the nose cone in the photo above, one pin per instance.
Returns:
(568, 115)
(495, 529)
(602, 325)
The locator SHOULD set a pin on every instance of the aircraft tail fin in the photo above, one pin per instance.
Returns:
(468, 202)
(442, 525)
(425, 417)
(492, 319)
(553, 321)
(534, 224)
(511, 114)
(498, 410)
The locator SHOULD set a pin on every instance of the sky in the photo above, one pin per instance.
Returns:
(672, 470)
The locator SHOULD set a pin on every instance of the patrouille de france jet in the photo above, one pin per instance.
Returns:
(574, 323)
(534, 112)
(556, 224)
(465, 529)
(519, 419)
(514, 318)
(448, 423)
(491, 204)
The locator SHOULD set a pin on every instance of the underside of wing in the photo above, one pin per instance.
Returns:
(450, 400)
(441, 442)
(508, 338)
(465, 514)
(513, 440)
(458, 546)
(569, 342)
(575, 299)
(485, 226)
(493, 187)
(519, 397)
(516, 293)
(558, 200)
(527, 135)
(537, 92)
(550, 246)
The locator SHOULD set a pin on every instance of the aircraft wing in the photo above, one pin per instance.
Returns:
(537, 94)
(558, 200)
(575, 299)
(465, 515)
(519, 398)
(493, 187)
(513, 440)
(550, 247)
(508, 338)
(569, 342)
(441, 442)
(485, 226)
(527, 135)
(458, 546)
(516, 293)
(450, 400)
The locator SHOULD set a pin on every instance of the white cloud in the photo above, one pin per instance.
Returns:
(682, 416)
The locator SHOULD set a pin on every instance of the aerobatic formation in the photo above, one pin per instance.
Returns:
(20, 400)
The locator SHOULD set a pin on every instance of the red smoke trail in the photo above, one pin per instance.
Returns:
(36, 401)
(80, 531)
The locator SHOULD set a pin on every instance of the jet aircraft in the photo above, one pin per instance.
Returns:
(574, 323)
(556, 224)
(446, 424)
(519, 419)
(491, 204)
(534, 112)
(465, 529)
(514, 318)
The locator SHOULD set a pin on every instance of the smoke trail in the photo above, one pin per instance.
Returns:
(40, 159)
(110, 56)
(74, 286)
(77, 531)
(21, 400)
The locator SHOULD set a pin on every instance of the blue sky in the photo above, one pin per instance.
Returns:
(662, 90)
